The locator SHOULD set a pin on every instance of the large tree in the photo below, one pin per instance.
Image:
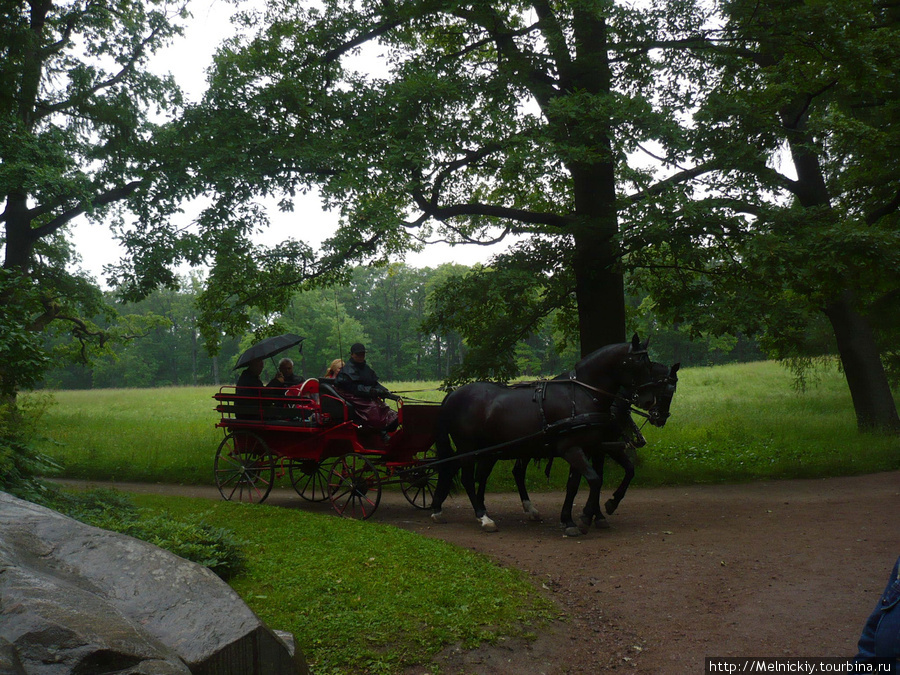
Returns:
(801, 226)
(436, 119)
(76, 139)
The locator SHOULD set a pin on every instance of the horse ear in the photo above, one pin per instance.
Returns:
(646, 344)
(674, 368)
(635, 343)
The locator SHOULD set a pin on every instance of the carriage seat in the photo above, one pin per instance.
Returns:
(258, 406)
(321, 393)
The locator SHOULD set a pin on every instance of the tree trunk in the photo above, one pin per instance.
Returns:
(600, 292)
(873, 401)
(599, 284)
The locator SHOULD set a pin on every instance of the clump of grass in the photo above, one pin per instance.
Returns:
(364, 597)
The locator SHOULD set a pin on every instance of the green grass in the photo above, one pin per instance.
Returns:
(746, 421)
(363, 597)
(729, 423)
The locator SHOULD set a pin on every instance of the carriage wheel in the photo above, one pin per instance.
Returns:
(419, 483)
(310, 479)
(244, 468)
(355, 487)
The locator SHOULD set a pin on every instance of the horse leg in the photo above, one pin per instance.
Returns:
(518, 473)
(592, 513)
(447, 472)
(482, 470)
(621, 458)
(565, 516)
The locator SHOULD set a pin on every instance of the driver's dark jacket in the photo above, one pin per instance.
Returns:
(358, 379)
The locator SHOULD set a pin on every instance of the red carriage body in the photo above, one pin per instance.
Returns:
(309, 433)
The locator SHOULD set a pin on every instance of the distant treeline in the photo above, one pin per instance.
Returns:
(382, 307)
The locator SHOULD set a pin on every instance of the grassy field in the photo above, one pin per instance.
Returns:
(729, 423)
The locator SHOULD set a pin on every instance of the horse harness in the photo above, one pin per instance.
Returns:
(576, 421)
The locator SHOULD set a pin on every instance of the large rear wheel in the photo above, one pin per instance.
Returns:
(354, 487)
(244, 468)
(310, 478)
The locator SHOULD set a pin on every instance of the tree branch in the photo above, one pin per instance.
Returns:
(676, 179)
(108, 197)
(885, 210)
(444, 213)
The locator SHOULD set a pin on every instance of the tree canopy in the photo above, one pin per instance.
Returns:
(800, 226)
(77, 138)
(460, 121)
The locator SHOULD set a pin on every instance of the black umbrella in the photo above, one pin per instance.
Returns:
(268, 347)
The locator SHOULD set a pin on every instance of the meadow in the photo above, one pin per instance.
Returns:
(729, 423)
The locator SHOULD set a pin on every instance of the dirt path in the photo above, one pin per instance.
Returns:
(781, 568)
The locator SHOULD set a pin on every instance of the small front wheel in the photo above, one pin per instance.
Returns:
(419, 483)
(244, 468)
(310, 478)
(354, 487)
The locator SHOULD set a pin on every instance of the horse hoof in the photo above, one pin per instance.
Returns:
(611, 506)
(488, 525)
(601, 523)
(533, 514)
(584, 524)
(438, 518)
(573, 531)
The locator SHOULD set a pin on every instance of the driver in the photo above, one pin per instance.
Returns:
(358, 383)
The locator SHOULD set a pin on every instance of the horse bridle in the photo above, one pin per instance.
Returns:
(670, 382)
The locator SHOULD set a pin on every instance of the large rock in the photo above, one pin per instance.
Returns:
(77, 599)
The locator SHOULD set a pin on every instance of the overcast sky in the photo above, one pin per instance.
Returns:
(187, 60)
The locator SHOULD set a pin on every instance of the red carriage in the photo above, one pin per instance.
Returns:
(309, 434)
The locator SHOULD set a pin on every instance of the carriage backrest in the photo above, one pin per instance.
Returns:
(332, 401)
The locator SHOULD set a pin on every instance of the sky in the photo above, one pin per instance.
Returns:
(187, 59)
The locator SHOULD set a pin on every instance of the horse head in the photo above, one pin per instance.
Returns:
(635, 368)
(656, 395)
(626, 364)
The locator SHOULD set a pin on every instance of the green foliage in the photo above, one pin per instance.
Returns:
(76, 139)
(22, 358)
(481, 122)
(796, 229)
(20, 461)
(361, 597)
(496, 308)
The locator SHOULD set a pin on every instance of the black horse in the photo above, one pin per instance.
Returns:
(656, 398)
(555, 418)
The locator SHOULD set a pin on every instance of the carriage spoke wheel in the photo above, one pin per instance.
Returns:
(354, 487)
(310, 478)
(419, 483)
(244, 468)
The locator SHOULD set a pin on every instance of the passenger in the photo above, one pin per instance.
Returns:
(249, 381)
(249, 385)
(334, 368)
(285, 377)
(359, 385)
